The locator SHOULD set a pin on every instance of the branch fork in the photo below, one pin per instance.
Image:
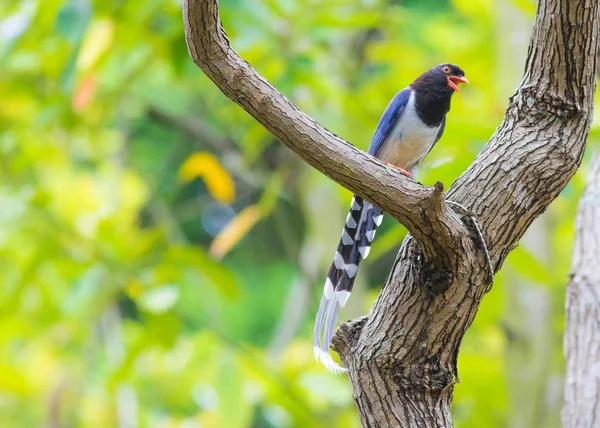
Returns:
(402, 356)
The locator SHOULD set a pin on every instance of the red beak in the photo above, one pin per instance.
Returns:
(453, 80)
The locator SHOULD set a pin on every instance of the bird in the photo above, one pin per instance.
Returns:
(412, 123)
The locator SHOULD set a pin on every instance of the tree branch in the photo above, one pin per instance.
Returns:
(582, 331)
(195, 128)
(421, 209)
(402, 356)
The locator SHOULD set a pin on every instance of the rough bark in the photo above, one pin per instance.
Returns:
(581, 408)
(402, 355)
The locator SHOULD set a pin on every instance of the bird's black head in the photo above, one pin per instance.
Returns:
(443, 78)
(434, 89)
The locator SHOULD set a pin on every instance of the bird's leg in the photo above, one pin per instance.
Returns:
(402, 170)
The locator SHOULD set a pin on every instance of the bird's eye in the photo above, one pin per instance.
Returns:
(446, 69)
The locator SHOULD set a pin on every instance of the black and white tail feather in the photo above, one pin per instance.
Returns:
(354, 246)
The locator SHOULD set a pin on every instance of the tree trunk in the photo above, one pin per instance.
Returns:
(402, 355)
(582, 328)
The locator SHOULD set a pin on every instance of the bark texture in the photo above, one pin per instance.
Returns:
(402, 355)
(581, 408)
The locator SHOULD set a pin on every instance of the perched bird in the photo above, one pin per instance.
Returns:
(410, 126)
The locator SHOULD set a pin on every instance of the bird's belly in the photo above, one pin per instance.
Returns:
(407, 149)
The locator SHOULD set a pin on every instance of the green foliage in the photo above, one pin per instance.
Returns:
(119, 306)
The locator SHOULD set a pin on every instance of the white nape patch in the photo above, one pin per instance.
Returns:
(355, 205)
(328, 289)
(410, 139)
(346, 238)
(370, 235)
(338, 261)
(350, 222)
(331, 365)
(317, 352)
(342, 297)
(364, 251)
(351, 269)
(377, 220)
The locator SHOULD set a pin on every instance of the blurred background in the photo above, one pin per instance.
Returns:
(162, 256)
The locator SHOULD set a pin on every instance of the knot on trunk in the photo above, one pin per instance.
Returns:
(436, 280)
(347, 335)
(432, 377)
(539, 102)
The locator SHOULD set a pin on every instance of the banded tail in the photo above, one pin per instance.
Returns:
(354, 246)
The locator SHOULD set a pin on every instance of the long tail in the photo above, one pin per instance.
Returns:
(354, 246)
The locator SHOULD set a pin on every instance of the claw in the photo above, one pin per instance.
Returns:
(402, 170)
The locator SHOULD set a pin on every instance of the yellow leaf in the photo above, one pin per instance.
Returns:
(98, 39)
(134, 289)
(235, 230)
(219, 182)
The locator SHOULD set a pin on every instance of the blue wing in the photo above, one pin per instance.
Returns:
(389, 119)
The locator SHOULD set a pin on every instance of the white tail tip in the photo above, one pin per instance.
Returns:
(317, 352)
(331, 365)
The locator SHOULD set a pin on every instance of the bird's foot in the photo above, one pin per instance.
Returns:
(402, 170)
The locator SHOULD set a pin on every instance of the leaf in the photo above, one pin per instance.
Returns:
(84, 94)
(97, 41)
(134, 289)
(159, 300)
(72, 20)
(246, 219)
(163, 328)
(235, 230)
(219, 182)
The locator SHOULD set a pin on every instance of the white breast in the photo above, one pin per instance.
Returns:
(410, 140)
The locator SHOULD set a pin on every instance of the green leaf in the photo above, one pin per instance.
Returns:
(163, 328)
(73, 19)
